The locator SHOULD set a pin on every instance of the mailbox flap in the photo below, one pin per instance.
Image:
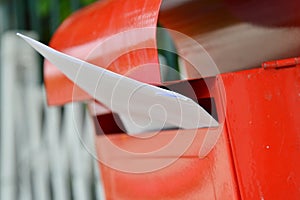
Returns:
(117, 35)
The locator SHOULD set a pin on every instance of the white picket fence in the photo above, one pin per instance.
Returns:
(45, 152)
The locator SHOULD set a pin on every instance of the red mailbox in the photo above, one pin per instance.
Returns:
(257, 153)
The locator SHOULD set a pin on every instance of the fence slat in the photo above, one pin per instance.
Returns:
(8, 79)
(56, 159)
(43, 154)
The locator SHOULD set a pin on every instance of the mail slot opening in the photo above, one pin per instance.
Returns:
(111, 123)
(210, 106)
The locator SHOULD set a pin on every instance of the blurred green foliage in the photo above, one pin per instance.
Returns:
(41, 16)
(65, 7)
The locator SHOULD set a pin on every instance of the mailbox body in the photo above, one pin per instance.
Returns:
(257, 153)
(256, 157)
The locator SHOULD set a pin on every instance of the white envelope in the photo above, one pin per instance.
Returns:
(141, 107)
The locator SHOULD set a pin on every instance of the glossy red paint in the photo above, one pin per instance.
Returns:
(263, 118)
(257, 155)
(89, 34)
(189, 177)
(93, 34)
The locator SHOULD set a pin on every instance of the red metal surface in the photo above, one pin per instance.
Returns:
(189, 177)
(88, 34)
(266, 12)
(257, 154)
(263, 118)
(92, 34)
(237, 34)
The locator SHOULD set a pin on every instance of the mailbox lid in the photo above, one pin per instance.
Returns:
(119, 35)
(263, 107)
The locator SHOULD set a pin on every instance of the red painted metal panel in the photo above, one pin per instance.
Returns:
(258, 149)
(263, 107)
(266, 12)
(93, 34)
(189, 177)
